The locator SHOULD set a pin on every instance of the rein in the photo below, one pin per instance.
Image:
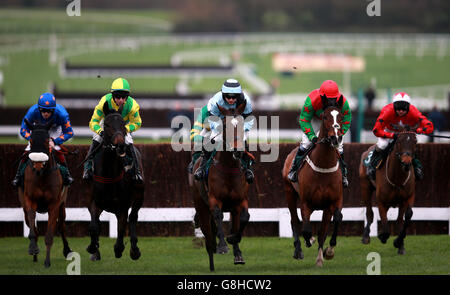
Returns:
(390, 182)
(108, 180)
(324, 140)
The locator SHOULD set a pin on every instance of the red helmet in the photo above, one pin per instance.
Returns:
(330, 89)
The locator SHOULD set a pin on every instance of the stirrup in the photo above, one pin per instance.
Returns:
(249, 176)
(199, 173)
(344, 181)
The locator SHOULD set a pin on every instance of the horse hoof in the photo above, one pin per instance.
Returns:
(239, 260)
(66, 252)
(328, 253)
(118, 249)
(401, 251)
(383, 237)
(135, 253)
(398, 243)
(33, 250)
(35, 258)
(47, 264)
(298, 255)
(222, 250)
(319, 263)
(365, 240)
(95, 256)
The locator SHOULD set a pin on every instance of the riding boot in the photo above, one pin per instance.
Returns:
(374, 158)
(18, 179)
(343, 170)
(249, 175)
(67, 178)
(195, 156)
(418, 169)
(137, 177)
(87, 172)
(200, 173)
(293, 173)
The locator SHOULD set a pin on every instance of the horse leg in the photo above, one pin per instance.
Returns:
(62, 229)
(385, 232)
(240, 220)
(135, 253)
(337, 219)
(399, 241)
(292, 197)
(326, 218)
(94, 231)
(218, 218)
(51, 227)
(30, 216)
(366, 193)
(306, 226)
(121, 226)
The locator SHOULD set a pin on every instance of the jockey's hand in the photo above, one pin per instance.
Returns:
(314, 140)
(395, 136)
(51, 143)
(419, 130)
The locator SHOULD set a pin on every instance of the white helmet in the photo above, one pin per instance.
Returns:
(402, 96)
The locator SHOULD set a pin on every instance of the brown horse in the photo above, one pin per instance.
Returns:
(394, 186)
(226, 190)
(43, 192)
(113, 188)
(319, 185)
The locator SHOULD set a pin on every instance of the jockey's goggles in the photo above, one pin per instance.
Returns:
(120, 94)
(42, 110)
(231, 95)
(401, 106)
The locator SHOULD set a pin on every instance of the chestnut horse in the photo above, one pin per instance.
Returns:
(319, 185)
(394, 186)
(113, 189)
(43, 191)
(225, 191)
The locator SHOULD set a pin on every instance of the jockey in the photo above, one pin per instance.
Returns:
(44, 111)
(401, 113)
(313, 107)
(230, 96)
(196, 136)
(119, 97)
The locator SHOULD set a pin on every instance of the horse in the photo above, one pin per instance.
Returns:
(225, 190)
(319, 185)
(394, 186)
(43, 191)
(113, 189)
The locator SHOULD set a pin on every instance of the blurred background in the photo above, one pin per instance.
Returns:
(177, 53)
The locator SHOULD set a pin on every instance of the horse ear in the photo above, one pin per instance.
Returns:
(28, 123)
(221, 109)
(241, 107)
(340, 101)
(106, 109)
(324, 101)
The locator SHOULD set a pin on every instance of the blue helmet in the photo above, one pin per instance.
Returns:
(47, 101)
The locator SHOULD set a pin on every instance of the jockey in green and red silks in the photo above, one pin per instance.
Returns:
(313, 108)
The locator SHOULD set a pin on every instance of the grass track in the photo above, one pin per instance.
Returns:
(428, 255)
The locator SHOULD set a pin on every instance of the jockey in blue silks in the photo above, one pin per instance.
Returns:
(44, 111)
(230, 97)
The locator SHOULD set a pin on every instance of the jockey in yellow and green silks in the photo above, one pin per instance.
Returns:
(117, 98)
(196, 137)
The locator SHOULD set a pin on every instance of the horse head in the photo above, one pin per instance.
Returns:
(233, 129)
(114, 130)
(332, 120)
(39, 145)
(405, 146)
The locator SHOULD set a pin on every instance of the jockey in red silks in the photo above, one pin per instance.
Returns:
(399, 113)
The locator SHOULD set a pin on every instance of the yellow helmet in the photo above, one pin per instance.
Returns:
(120, 84)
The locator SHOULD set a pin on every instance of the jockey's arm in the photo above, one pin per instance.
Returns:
(425, 125)
(347, 119)
(97, 116)
(24, 131)
(306, 116)
(380, 125)
(67, 131)
(134, 119)
(199, 124)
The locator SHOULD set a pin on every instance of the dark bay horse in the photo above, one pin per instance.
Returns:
(43, 192)
(319, 185)
(394, 186)
(226, 190)
(113, 188)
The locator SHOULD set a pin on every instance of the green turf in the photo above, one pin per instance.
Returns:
(428, 255)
